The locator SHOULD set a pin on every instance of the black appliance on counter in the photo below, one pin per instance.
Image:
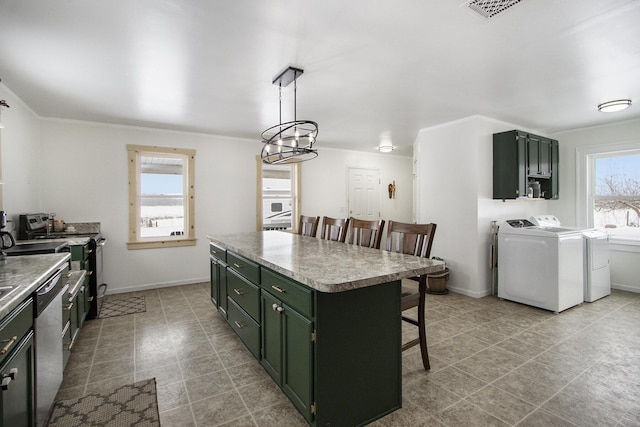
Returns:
(39, 226)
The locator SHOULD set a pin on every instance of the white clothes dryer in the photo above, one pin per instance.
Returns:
(596, 274)
(541, 267)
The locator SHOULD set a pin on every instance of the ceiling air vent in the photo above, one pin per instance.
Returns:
(490, 8)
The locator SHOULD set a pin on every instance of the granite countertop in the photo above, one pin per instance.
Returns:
(325, 265)
(71, 240)
(25, 274)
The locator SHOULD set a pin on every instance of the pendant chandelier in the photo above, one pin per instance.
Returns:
(289, 142)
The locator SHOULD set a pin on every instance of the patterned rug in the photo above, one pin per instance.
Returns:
(130, 405)
(120, 306)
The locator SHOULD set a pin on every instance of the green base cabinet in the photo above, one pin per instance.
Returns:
(520, 158)
(336, 356)
(17, 367)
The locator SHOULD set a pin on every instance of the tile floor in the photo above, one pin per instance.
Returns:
(494, 363)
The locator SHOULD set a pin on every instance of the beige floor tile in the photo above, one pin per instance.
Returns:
(502, 405)
(582, 366)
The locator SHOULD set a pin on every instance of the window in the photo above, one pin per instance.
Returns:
(161, 193)
(611, 197)
(616, 195)
(277, 196)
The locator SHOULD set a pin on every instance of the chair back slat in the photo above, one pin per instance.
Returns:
(411, 239)
(365, 233)
(308, 225)
(334, 229)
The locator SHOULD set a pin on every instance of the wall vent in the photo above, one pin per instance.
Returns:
(490, 8)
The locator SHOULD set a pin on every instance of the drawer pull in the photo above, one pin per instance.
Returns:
(69, 307)
(236, 265)
(238, 291)
(278, 288)
(239, 325)
(89, 273)
(68, 275)
(213, 252)
(8, 344)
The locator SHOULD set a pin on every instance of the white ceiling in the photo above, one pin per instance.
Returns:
(370, 66)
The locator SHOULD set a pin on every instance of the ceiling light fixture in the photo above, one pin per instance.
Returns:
(385, 146)
(289, 142)
(613, 106)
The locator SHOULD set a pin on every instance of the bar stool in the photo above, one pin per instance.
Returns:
(365, 233)
(413, 239)
(334, 229)
(308, 225)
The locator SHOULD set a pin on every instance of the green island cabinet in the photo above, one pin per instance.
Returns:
(520, 158)
(17, 367)
(218, 258)
(336, 356)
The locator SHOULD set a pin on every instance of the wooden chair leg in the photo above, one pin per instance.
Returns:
(422, 328)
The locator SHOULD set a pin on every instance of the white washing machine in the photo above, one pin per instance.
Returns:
(541, 267)
(596, 275)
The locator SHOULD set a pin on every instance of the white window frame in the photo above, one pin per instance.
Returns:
(585, 183)
(135, 152)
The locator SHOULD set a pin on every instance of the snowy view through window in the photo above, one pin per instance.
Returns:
(616, 202)
(162, 200)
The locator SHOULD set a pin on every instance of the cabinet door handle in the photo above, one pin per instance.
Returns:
(278, 288)
(239, 325)
(89, 273)
(8, 344)
(69, 307)
(238, 291)
(5, 383)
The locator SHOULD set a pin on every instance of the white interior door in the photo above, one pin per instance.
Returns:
(364, 193)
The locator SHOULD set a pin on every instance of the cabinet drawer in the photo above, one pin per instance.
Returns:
(218, 252)
(14, 326)
(289, 292)
(248, 269)
(244, 293)
(247, 329)
(80, 252)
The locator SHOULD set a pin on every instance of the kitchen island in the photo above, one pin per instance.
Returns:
(322, 317)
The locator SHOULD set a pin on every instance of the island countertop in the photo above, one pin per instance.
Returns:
(324, 265)
(24, 274)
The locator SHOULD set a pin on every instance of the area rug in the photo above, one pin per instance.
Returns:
(120, 306)
(130, 405)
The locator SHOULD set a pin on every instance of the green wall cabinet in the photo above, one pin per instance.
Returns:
(521, 158)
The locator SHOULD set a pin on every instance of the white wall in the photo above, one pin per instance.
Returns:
(21, 159)
(455, 191)
(79, 171)
(324, 183)
(624, 260)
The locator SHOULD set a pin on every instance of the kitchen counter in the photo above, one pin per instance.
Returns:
(71, 240)
(25, 274)
(324, 265)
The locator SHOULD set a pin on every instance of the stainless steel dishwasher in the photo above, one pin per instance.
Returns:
(48, 329)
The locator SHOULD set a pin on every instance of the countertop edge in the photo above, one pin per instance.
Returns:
(436, 266)
(21, 294)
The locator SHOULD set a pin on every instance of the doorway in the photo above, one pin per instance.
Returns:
(364, 193)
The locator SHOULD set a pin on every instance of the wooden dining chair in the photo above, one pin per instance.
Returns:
(308, 225)
(334, 229)
(365, 233)
(413, 239)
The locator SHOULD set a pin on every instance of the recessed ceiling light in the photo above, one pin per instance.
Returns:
(612, 106)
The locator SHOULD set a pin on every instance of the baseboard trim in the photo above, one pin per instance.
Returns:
(151, 286)
(467, 292)
(627, 288)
